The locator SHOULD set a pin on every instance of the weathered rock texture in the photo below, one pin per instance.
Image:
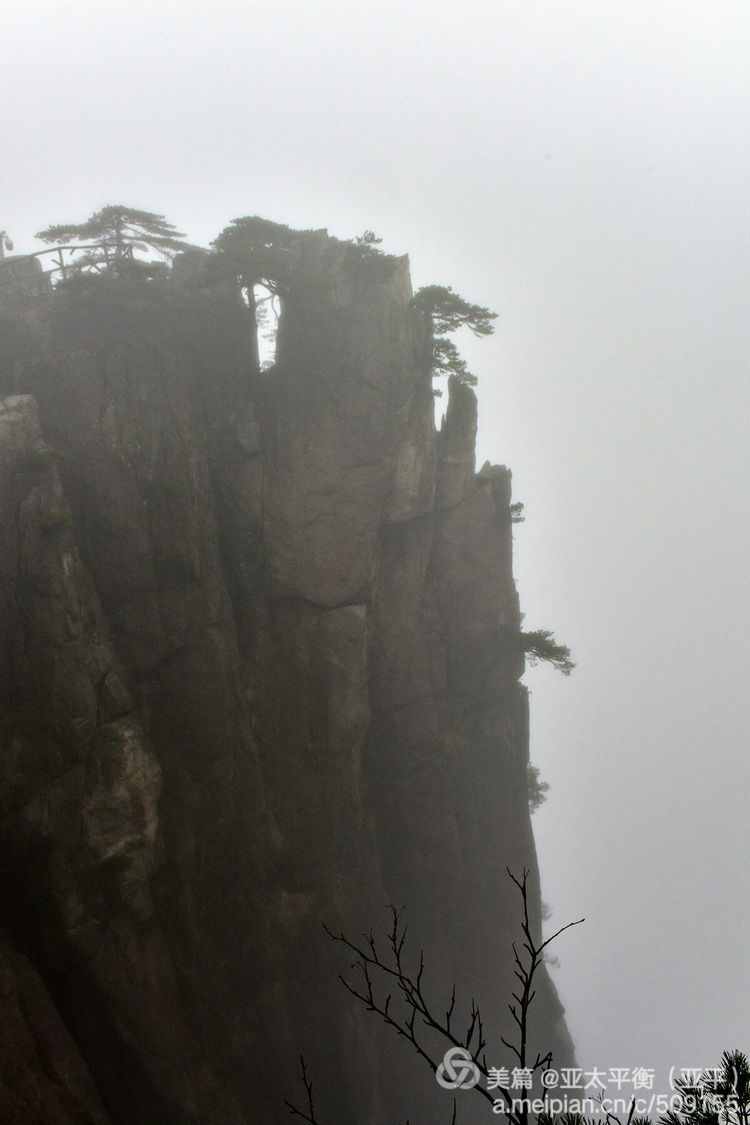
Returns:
(260, 670)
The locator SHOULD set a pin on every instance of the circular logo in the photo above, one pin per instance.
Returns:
(457, 1071)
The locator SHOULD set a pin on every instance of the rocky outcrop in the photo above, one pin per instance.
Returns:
(44, 1079)
(261, 670)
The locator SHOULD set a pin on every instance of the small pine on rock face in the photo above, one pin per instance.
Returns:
(540, 645)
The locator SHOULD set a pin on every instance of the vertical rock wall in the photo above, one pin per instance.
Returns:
(261, 671)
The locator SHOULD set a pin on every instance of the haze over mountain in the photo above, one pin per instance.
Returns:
(584, 169)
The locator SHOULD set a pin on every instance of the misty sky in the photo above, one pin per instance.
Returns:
(584, 168)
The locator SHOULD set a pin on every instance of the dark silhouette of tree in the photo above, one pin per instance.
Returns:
(449, 311)
(368, 240)
(262, 257)
(720, 1097)
(540, 645)
(536, 788)
(384, 983)
(259, 252)
(381, 972)
(113, 236)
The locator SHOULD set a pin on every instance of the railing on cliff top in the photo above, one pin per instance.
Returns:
(9, 274)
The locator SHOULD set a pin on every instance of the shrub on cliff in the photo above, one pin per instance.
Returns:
(536, 788)
(540, 645)
(449, 311)
(368, 242)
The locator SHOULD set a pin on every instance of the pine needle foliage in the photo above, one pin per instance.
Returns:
(449, 312)
(112, 236)
(540, 645)
(715, 1097)
(536, 788)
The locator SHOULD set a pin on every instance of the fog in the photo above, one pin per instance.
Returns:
(584, 169)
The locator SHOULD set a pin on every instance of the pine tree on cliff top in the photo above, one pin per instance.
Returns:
(116, 232)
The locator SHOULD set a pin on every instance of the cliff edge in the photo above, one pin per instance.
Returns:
(261, 670)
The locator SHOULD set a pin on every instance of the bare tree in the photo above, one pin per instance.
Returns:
(377, 974)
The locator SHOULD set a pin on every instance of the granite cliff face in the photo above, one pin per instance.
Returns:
(260, 670)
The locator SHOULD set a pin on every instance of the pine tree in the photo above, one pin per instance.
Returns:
(536, 789)
(715, 1097)
(449, 312)
(540, 644)
(113, 235)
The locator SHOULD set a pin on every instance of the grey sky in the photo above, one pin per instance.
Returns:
(584, 168)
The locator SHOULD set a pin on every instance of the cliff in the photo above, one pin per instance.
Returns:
(260, 671)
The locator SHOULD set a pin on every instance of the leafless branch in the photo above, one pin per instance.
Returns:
(308, 1114)
(370, 967)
